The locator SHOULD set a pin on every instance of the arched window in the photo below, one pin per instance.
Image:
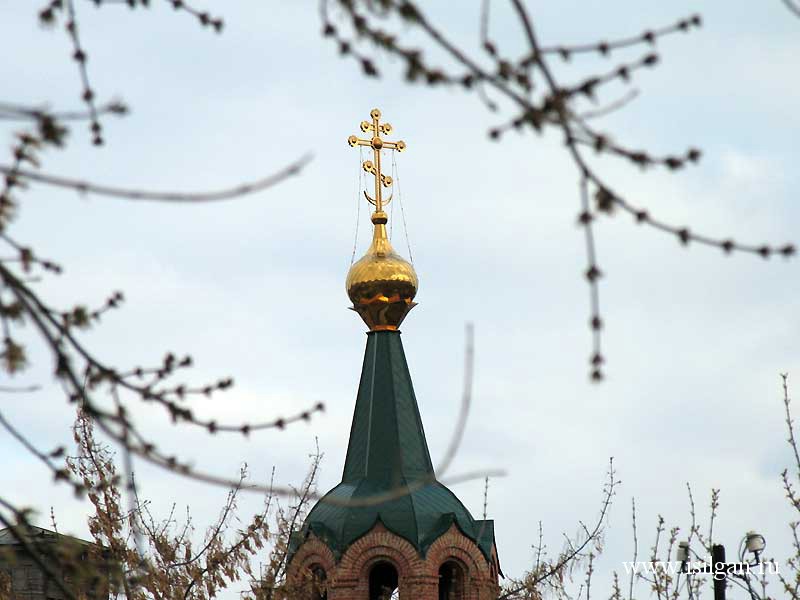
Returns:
(319, 583)
(383, 581)
(451, 581)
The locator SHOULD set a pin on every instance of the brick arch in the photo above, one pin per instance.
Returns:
(379, 554)
(455, 545)
(378, 544)
(457, 555)
(312, 552)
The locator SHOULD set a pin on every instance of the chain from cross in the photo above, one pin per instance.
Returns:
(377, 144)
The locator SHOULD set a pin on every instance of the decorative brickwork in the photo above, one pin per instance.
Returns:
(418, 576)
(311, 554)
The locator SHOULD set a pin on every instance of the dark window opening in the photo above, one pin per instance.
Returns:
(319, 583)
(451, 581)
(383, 582)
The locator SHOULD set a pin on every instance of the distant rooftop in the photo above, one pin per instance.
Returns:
(37, 534)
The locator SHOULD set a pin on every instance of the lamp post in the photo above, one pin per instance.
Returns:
(719, 564)
(720, 569)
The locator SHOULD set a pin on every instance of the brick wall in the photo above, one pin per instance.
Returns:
(418, 576)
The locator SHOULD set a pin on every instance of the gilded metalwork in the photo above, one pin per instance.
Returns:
(377, 144)
(382, 284)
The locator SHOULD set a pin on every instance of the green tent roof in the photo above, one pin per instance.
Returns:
(388, 452)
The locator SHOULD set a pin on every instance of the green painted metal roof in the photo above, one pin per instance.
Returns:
(388, 452)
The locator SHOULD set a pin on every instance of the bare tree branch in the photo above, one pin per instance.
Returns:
(86, 187)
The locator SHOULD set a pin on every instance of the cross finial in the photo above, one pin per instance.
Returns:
(373, 167)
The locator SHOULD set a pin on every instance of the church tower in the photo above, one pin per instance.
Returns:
(390, 529)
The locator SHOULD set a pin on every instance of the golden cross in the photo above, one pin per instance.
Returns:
(377, 144)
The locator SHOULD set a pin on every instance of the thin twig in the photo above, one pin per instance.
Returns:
(792, 7)
(86, 187)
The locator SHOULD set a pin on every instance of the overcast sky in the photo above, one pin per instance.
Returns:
(254, 288)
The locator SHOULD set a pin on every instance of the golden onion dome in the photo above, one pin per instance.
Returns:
(382, 284)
